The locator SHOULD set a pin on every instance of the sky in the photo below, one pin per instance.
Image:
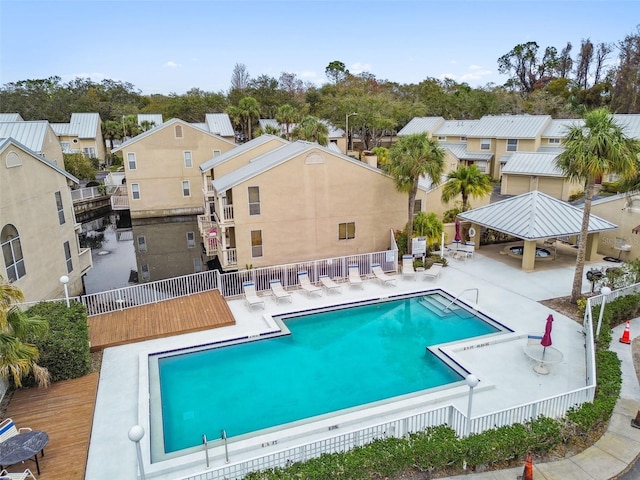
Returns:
(172, 46)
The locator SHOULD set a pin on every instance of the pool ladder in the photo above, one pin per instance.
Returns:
(460, 294)
(223, 436)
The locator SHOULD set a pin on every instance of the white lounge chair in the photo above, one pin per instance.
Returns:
(354, 276)
(465, 251)
(380, 275)
(278, 291)
(433, 271)
(329, 284)
(251, 296)
(17, 475)
(8, 429)
(307, 286)
(407, 267)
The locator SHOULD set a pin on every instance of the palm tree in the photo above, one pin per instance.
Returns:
(468, 182)
(312, 130)
(429, 226)
(286, 115)
(17, 357)
(112, 130)
(598, 147)
(249, 110)
(410, 158)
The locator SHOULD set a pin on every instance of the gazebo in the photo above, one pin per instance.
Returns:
(536, 216)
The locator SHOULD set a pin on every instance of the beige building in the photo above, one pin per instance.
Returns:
(624, 211)
(299, 201)
(83, 134)
(161, 168)
(38, 230)
(37, 136)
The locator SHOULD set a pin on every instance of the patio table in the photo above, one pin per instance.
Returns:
(22, 447)
(543, 357)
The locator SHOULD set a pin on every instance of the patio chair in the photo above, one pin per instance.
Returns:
(329, 284)
(433, 271)
(407, 267)
(354, 276)
(278, 291)
(250, 295)
(8, 429)
(381, 276)
(466, 251)
(307, 286)
(16, 475)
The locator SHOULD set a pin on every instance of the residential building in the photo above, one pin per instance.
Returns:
(83, 134)
(336, 136)
(161, 168)
(37, 136)
(38, 229)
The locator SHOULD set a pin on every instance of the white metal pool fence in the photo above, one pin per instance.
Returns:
(230, 284)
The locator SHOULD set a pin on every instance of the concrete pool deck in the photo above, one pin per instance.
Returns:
(505, 293)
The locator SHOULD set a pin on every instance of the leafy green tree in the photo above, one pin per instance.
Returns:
(467, 182)
(286, 115)
(79, 166)
(336, 71)
(428, 225)
(597, 148)
(410, 158)
(249, 111)
(18, 357)
(312, 130)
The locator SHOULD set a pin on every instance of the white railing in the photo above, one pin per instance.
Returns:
(85, 259)
(552, 407)
(119, 202)
(230, 284)
(227, 214)
(86, 193)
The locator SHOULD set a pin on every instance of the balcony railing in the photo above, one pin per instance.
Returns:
(87, 193)
(119, 202)
(85, 259)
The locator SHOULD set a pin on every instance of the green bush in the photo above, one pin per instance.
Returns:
(65, 350)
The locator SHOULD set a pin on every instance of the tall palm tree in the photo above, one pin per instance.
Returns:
(468, 182)
(410, 158)
(112, 130)
(17, 357)
(286, 115)
(249, 110)
(312, 130)
(592, 150)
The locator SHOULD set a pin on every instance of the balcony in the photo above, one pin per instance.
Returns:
(85, 260)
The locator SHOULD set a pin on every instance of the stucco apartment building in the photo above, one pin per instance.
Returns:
(38, 230)
(83, 134)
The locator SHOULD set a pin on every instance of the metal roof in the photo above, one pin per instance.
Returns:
(510, 126)
(533, 163)
(82, 125)
(155, 118)
(630, 124)
(460, 151)
(421, 125)
(29, 134)
(219, 124)
(533, 216)
(551, 149)
(456, 127)
(240, 149)
(5, 142)
(558, 128)
(201, 126)
(10, 117)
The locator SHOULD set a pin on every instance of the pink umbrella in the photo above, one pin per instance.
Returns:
(546, 338)
(458, 237)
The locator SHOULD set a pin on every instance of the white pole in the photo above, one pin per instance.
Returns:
(442, 246)
(472, 381)
(605, 291)
(135, 435)
(64, 280)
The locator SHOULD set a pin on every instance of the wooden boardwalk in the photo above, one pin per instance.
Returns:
(201, 311)
(65, 412)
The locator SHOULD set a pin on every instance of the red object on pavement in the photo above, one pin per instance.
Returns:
(626, 335)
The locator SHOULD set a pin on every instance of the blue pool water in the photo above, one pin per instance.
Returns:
(331, 361)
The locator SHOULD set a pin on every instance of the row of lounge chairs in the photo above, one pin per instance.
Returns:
(408, 271)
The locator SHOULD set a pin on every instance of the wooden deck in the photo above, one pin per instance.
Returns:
(193, 313)
(65, 412)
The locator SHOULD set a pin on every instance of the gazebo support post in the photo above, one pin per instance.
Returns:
(592, 246)
(529, 255)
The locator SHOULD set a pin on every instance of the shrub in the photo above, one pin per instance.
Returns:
(65, 350)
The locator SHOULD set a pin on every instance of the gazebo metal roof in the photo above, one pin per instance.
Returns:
(534, 215)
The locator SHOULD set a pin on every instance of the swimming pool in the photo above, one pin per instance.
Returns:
(326, 361)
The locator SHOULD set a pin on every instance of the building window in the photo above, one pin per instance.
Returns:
(142, 244)
(131, 158)
(187, 160)
(485, 144)
(254, 200)
(67, 256)
(442, 138)
(145, 272)
(191, 240)
(89, 152)
(66, 148)
(417, 207)
(256, 243)
(60, 208)
(135, 191)
(12, 253)
(554, 141)
(512, 144)
(178, 131)
(186, 189)
(346, 231)
(197, 265)
(216, 153)
(463, 138)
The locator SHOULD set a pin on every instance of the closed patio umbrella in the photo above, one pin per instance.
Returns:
(458, 237)
(546, 338)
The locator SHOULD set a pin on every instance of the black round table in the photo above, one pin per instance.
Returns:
(22, 447)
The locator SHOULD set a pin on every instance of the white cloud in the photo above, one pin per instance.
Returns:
(358, 67)
(171, 64)
(477, 73)
(453, 62)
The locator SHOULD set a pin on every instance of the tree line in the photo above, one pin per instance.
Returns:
(562, 83)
